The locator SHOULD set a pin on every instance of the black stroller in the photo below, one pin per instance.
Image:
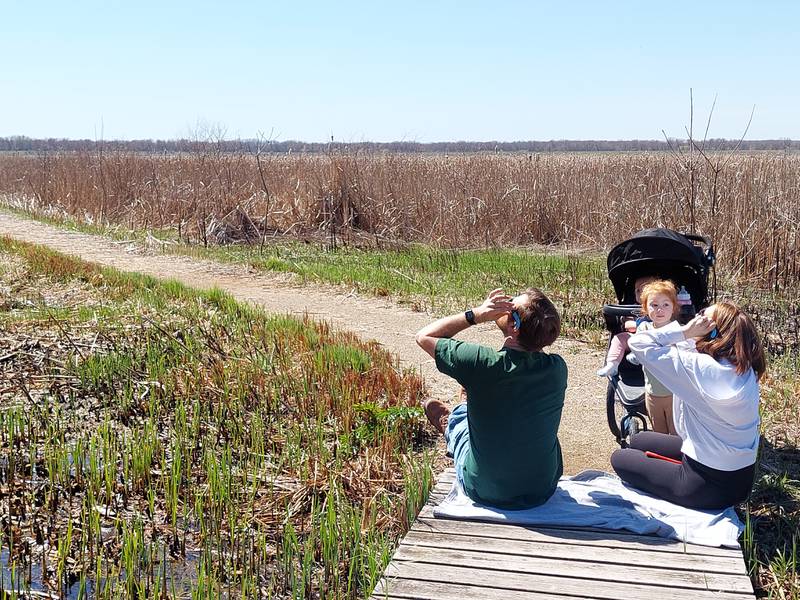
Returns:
(682, 258)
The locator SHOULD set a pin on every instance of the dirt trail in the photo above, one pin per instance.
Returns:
(585, 438)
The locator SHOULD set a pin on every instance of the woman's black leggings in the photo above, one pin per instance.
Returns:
(689, 484)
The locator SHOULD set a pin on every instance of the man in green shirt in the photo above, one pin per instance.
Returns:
(504, 437)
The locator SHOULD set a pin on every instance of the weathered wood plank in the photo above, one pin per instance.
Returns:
(497, 583)
(434, 590)
(573, 567)
(448, 476)
(558, 535)
(611, 556)
(436, 496)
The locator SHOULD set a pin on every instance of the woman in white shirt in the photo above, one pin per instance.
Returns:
(715, 406)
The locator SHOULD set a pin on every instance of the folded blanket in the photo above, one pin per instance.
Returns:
(598, 499)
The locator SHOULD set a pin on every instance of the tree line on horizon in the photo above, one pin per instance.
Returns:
(27, 144)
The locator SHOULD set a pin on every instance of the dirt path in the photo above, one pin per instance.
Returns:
(585, 438)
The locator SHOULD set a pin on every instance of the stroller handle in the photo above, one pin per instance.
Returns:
(699, 238)
(615, 314)
(710, 256)
(621, 310)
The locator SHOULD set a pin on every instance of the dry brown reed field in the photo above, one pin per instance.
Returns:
(747, 202)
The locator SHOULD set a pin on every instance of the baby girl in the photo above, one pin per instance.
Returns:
(619, 343)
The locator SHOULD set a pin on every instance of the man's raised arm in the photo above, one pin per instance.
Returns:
(496, 304)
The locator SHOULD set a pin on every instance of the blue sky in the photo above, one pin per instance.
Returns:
(411, 70)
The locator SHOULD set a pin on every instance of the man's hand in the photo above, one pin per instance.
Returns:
(699, 327)
(497, 304)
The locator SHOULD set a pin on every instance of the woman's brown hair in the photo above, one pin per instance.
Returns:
(737, 340)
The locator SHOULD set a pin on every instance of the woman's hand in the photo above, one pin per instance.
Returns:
(497, 304)
(699, 327)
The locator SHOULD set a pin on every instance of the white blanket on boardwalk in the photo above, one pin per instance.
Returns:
(598, 499)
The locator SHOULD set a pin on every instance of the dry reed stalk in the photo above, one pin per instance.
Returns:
(749, 206)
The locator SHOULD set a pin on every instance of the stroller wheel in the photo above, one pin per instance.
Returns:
(633, 428)
(631, 425)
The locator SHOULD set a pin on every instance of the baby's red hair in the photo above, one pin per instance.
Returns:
(661, 286)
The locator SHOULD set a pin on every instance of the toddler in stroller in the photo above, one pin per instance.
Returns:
(618, 346)
(652, 253)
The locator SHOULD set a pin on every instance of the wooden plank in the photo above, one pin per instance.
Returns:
(434, 590)
(426, 522)
(436, 496)
(578, 569)
(442, 488)
(497, 583)
(611, 556)
(447, 476)
(435, 499)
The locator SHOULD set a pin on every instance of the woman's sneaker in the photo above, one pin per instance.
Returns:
(438, 413)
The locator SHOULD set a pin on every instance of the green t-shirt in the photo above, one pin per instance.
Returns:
(514, 402)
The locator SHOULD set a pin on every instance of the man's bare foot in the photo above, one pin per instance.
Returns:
(438, 413)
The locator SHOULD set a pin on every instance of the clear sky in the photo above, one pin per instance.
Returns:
(398, 70)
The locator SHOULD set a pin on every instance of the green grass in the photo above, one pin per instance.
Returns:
(439, 278)
(436, 280)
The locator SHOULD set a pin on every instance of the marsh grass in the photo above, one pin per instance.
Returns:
(772, 513)
(579, 200)
(178, 443)
(773, 525)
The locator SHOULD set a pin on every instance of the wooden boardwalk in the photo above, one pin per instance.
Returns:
(442, 559)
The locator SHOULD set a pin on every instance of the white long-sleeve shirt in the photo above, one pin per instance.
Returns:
(715, 409)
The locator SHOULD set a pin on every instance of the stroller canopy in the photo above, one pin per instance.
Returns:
(664, 253)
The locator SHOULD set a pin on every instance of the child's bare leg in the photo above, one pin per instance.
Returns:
(616, 351)
(618, 347)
